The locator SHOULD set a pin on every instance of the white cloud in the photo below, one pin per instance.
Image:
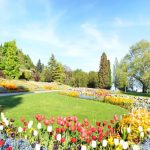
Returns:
(120, 22)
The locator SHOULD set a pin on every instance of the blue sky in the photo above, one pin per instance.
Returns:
(76, 31)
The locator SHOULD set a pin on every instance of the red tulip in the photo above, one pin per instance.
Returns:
(116, 118)
(46, 122)
(58, 130)
(63, 130)
(94, 137)
(62, 140)
(22, 119)
(98, 124)
(2, 142)
(109, 126)
(9, 148)
(104, 123)
(85, 120)
(73, 140)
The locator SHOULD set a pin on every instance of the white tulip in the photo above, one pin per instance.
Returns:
(20, 129)
(37, 147)
(128, 130)
(104, 143)
(39, 126)
(125, 145)
(121, 142)
(142, 134)
(35, 133)
(116, 141)
(83, 147)
(58, 137)
(1, 127)
(140, 128)
(30, 124)
(6, 122)
(135, 147)
(49, 128)
(94, 144)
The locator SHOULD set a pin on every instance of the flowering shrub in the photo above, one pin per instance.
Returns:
(68, 133)
(135, 126)
(121, 101)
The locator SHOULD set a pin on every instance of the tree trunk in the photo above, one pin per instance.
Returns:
(144, 88)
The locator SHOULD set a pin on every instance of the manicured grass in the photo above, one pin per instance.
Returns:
(53, 104)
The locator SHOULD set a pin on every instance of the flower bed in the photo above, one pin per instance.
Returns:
(67, 133)
(121, 101)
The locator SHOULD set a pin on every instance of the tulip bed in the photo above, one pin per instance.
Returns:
(67, 133)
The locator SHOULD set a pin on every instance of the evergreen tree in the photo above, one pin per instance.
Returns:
(52, 64)
(104, 73)
(115, 75)
(39, 66)
(11, 61)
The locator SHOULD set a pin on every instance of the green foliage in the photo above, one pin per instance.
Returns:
(104, 73)
(138, 61)
(80, 78)
(25, 61)
(56, 70)
(92, 79)
(11, 61)
(46, 75)
(121, 75)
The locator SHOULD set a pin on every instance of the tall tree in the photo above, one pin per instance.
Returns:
(104, 73)
(11, 61)
(52, 64)
(115, 77)
(92, 79)
(80, 78)
(138, 61)
(39, 66)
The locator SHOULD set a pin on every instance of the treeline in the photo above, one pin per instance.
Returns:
(133, 71)
(14, 64)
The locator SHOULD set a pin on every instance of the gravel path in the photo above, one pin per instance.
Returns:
(34, 92)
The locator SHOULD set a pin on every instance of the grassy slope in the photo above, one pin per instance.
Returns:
(53, 104)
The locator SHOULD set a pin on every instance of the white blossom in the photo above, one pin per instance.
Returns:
(20, 129)
(1, 127)
(94, 144)
(58, 137)
(39, 126)
(35, 133)
(125, 145)
(116, 141)
(37, 147)
(83, 147)
(104, 143)
(140, 128)
(49, 128)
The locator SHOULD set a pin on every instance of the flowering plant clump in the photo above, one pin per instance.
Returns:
(121, 101)
(135, 126)
(68, 133)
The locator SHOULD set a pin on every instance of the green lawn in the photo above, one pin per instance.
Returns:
(53, 104)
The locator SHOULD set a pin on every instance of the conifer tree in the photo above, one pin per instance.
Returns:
(104, 73)
(39, 66)
(11, 61)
